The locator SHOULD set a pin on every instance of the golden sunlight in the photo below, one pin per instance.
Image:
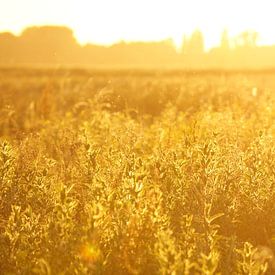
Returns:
(137, 137)
(106, 22)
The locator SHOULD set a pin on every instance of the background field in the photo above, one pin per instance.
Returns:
(136, 172)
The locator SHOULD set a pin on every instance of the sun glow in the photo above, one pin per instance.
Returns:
(108, 21)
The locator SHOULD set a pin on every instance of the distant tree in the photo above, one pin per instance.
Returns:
(193, 45)
(48, 43)
(225, 43)
(185, 44)
(7, 47)
(142, 53)
(247, 39)
(50, 34)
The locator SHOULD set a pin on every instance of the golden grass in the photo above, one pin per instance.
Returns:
(132, 173)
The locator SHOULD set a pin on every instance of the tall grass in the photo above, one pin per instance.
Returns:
(170, 174)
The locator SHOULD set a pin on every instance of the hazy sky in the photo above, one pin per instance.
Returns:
(107, 21)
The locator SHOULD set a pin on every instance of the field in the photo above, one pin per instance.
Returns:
(136, 172)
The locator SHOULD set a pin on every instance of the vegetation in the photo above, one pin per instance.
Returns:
(55, 45)
(136, 172)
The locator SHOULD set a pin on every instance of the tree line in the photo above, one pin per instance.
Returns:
(51, 45)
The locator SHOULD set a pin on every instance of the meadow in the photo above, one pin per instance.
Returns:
(136, 172)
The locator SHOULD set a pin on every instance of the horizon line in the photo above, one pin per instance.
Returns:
(178, 48)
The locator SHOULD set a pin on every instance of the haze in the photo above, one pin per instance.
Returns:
(108, 21)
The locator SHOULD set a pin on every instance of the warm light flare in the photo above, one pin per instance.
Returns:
(90, 253)
(106, 22)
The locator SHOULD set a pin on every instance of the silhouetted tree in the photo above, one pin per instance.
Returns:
(247, 39)
(8, 47)
(48, 44)
(185, 45)
(225, 43)
(195, 44)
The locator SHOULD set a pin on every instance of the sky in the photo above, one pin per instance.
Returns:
(110, 21)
